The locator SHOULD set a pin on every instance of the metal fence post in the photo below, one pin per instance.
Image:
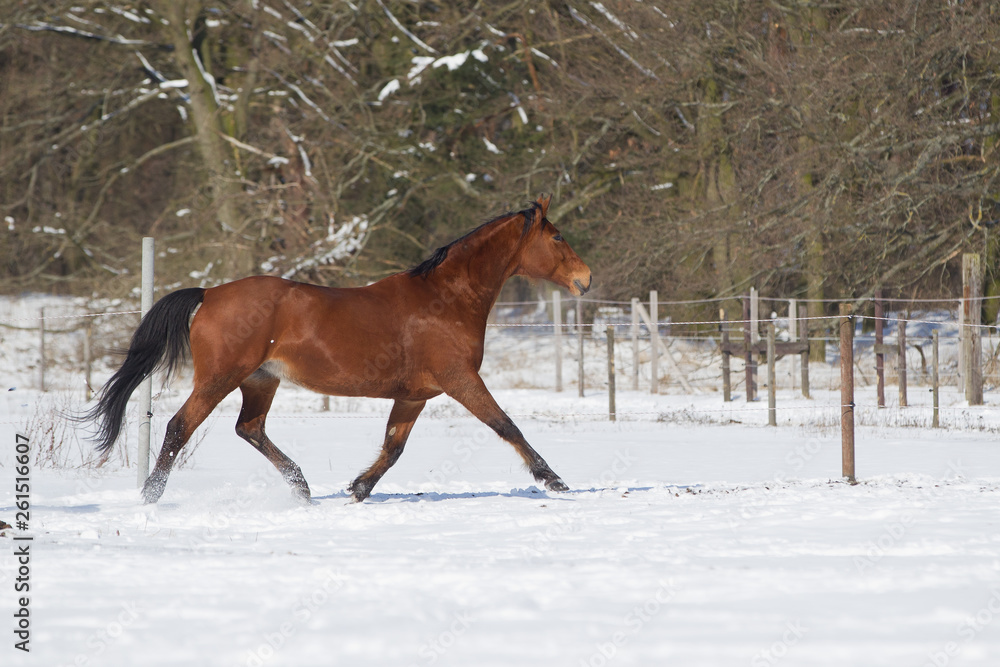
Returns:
(611, 372)
(654, 339)
(579, 329)
(557, 326)
(772, 412)
(146, 388)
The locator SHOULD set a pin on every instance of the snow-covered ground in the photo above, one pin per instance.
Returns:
(693, 534)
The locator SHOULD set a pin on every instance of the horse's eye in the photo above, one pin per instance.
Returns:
(557, 237)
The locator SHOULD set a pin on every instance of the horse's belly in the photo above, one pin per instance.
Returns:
(369, 377)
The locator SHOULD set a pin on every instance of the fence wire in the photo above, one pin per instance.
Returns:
(704, 379)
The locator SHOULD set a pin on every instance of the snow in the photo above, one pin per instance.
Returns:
(420, 63)
(615, 20)
(455, 61)
(544, 56)
(452, 62)
(131, 16)
(399, 26)
(202, 275)
(693, 534)
(583, 19)
(388, 89)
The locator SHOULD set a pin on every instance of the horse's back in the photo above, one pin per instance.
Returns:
(344, 341)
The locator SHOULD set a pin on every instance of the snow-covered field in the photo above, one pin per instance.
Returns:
(693, 534)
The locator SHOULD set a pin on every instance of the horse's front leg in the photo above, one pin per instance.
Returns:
(470, 390)
(401, 419)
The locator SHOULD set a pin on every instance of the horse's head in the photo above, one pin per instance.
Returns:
(547, 255)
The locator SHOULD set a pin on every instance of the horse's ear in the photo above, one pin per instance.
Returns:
(543, 201)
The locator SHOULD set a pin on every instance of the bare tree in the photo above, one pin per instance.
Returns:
(698, 148)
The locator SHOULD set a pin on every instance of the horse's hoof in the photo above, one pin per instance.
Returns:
(556, 485)
(152, 490)
(359, 490)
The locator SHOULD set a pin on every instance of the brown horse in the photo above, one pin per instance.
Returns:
(409, 337)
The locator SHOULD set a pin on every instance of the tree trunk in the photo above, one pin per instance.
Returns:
(720, 187)
(803, 23)
(223, 185)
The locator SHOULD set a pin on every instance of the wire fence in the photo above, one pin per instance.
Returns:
(69, 350)
(52, 345)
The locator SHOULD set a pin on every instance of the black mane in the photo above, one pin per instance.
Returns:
(426, 267)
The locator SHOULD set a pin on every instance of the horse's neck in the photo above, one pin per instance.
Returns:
(480, 268)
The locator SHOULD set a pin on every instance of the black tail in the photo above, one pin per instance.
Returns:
(162, 339)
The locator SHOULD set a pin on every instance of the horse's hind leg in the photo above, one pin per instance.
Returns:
(181, 426)
(401, 419)
(258, 392)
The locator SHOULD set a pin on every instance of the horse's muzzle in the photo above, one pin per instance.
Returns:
(584, 288)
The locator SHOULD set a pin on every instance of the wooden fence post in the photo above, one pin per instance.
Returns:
(935, 389)
(661, 348)
(847, 392)
(772, 413)
(804, 358)
(901, 365)
(972, 301)
(635, 344)
(727, 387)
(749, 363)
(960, 379)
(654, 337)
(879, 356)
(557, 330)
(793, 330)
(611, 372)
